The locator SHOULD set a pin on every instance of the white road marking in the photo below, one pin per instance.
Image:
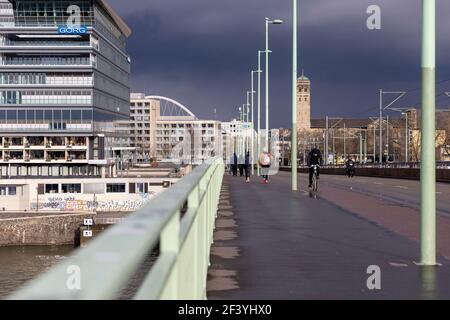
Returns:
(402, 187)
(439, 193)
(379, 183)
(403, 265)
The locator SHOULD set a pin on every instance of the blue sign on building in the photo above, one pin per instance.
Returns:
(72, 29)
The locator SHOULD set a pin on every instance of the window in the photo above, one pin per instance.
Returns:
(12, 191)
(51, 188)
(115, 188)
(140, 188)
(71, 188)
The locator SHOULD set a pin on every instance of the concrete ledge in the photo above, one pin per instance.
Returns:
(442, 175)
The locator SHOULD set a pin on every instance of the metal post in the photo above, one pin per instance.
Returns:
(406, 139)
(381, 127)
(365, 146)
(294, 98)
(345, 138)
(326, 140)
(360, 146)
(247, 136)
(374, 144)
(253, 125)
(267, 84)
(334, 146)
(244, 107)
(427, 154)
(259, 110)
(387, 137)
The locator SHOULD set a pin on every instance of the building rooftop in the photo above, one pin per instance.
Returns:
(303, 77)
(117, 19)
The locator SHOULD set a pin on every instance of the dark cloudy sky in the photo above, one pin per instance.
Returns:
(200, 52)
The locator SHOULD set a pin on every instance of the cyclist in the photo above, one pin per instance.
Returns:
(314, 159)
(350, 165)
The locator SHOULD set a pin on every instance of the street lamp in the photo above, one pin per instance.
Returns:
(258, 145)
(275, 22)
(238, 140)
(253, 122)
(294, 174)
(428, 132)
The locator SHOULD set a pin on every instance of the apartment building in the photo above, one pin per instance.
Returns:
(160, 135)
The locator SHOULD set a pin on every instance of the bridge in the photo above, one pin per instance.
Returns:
(212, 236)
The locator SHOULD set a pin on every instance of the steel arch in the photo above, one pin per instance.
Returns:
(178, 104)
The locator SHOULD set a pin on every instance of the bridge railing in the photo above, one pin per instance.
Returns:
(178, 223)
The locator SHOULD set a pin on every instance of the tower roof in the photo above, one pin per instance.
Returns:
(303, 77)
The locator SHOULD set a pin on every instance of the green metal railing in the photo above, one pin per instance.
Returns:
(181, 220)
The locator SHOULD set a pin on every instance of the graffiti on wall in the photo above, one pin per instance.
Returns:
(70, 203)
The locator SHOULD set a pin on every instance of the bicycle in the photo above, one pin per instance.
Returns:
(315, 186)
(351, 172)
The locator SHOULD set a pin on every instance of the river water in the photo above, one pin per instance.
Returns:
(20, 264)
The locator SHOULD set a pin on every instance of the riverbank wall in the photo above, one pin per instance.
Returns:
(62, 229)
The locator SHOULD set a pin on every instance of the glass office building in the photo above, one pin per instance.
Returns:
(61, 92)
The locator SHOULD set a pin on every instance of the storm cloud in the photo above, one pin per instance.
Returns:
(201, 52)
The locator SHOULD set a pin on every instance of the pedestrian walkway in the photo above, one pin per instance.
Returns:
(271, 243)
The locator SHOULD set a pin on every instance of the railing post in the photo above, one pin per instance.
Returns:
(193, 207)
(170, 243)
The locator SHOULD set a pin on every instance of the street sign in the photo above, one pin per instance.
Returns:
(88, 222)
(87, 233)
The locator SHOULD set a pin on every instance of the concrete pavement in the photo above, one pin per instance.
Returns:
(273, 244)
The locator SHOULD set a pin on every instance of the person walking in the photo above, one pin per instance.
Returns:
(265, 159)
(247, 167)
(234, 165)
(241, 165)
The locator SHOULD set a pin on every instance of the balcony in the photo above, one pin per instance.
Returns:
(47, 61)
(43, 44)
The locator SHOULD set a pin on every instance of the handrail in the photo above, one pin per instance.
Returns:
(110, 261)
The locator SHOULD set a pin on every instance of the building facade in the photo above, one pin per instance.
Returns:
(144, 113)
(62, 87)
(160, 135)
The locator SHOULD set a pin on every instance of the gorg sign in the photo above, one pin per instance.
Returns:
(73, 24)
(72, 30)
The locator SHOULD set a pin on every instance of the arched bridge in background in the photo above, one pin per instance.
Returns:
(173, 108)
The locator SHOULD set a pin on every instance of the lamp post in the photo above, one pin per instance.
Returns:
(258, 145)
(294, 132)
(407, 137)
(244, 112)
(268, 21)
(247, 136)
(253, 122)
(238, 138)
(428, 132)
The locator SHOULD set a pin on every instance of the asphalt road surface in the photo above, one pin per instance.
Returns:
(271, 243)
